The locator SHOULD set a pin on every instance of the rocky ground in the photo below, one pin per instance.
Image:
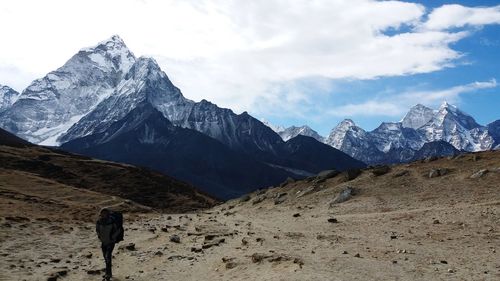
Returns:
(430, 220)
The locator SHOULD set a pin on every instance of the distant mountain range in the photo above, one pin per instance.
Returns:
(105, 102)
(446, 130)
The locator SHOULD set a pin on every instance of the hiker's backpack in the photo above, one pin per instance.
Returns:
(118, 220)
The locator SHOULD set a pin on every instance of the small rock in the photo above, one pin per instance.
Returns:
(443, 262)
(436, 222)
(196, 250)
(381, 170)
(244, 241)
(333, 220)
(175, 238)
(479, 173)
(400, 174)
(394, 262)
(345, 253)
(296, 215)
(257, 257)
(357, 255)
(298, 261)
(159, 253)
(245, 198)
(438, 172)
(324, 175)
(280, 198)
(231, 265)
(450, 270)
(259, 199)
(129, 246)
(94, 271)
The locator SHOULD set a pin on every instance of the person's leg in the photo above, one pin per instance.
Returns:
(108, 259)
(104, 249)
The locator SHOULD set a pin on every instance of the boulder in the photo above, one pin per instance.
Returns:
(280, 198)
(438, 172)
(479, 173)
(259, 199)
(401, 173)
(245, 198)
(351, 174)
(381, 170)
(343, 196)
(324, 175)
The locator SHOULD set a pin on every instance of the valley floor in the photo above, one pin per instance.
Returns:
(402, 225)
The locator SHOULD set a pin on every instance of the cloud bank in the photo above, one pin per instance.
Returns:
(244, 55)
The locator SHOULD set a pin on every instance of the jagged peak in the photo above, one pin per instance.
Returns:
(5, 88)
(446, 108)
(346, 123)
(114, 42)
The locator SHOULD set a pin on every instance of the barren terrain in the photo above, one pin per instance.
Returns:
(426, 220)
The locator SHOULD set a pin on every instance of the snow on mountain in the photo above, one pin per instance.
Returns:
(52, 104)
(275, 128)
(305, 130)
(394, 142)
(145, 81)
(354, 141)
(418, 116)
(394, 135)
(457, 128)
(7, 97)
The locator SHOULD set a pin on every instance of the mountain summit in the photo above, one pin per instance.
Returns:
(52, 104)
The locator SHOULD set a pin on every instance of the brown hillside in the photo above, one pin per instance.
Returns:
(138, 185)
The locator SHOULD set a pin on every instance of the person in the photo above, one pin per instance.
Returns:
(107, 232)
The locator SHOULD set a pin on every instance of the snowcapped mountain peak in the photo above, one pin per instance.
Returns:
(450, 114)
(115, 42)
(305, 130)
(340, 132)
(346, 123)
(275, 128)
(418, 116)
(110, 55)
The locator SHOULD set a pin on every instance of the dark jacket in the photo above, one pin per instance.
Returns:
(107, 230)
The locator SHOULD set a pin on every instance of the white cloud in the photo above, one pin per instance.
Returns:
(396, 105)
(453, 16)
(234, 53)
(368, 108)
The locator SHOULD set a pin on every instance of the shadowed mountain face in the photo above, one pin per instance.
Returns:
(494, 130)
(19, 159)
(144, 137)
(302, 151)
(435, 149)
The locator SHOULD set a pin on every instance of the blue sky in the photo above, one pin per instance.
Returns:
(289, 62)
(480, 61)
